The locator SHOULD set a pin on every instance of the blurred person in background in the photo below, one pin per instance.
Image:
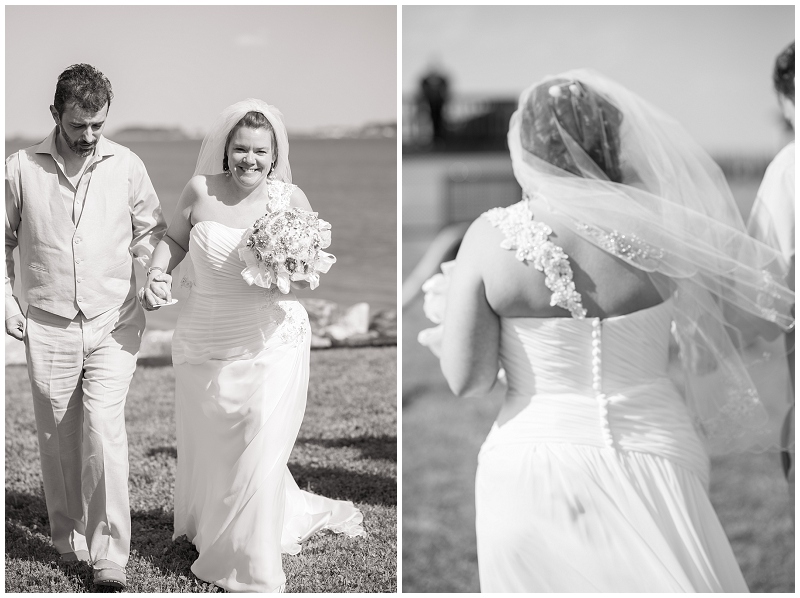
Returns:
(434, 93)
(772, 221)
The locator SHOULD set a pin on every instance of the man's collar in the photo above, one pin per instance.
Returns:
(104, 147)
(48, 146)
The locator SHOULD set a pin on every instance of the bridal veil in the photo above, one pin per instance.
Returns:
(630, 180)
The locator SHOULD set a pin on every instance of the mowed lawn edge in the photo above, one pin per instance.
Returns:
(346, 449)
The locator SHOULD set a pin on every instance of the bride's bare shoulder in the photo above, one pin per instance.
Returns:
(298, 199)
(481, 242)
(207, 185)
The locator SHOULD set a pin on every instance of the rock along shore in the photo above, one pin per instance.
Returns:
(331, 326)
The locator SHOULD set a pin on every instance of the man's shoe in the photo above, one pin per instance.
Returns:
(110, 577)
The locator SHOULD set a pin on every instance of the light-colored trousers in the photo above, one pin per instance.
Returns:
(80, 371)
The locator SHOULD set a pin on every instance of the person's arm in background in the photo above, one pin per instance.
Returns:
(15, 321)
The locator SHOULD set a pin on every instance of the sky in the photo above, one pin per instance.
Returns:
(710, 67)
(322, 66)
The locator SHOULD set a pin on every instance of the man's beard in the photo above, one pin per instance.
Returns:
(75, 146)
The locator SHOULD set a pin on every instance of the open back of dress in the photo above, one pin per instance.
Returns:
(600, 483)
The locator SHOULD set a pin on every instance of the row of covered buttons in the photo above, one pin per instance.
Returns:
(78, 260)
(597, 381)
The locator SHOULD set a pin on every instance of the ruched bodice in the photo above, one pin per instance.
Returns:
(599, 382)
(555, 355)
(224, 317)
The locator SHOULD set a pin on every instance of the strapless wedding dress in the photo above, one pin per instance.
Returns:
(241, 357)
(600, 484)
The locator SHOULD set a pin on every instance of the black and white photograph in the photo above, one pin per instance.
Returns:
(201, 299)
(598, 298)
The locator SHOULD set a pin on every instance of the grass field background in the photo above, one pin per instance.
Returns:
(346, 449)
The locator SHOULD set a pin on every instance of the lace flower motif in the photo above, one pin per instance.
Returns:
(292, 328)
(280, 194)
(531, 241)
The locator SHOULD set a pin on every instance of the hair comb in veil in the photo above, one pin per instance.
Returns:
(568, 107)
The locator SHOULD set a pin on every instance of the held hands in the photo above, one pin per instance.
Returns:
(15, 326)
(157, 291)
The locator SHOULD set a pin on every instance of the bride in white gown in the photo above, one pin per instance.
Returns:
(594, 478)
(241, 357)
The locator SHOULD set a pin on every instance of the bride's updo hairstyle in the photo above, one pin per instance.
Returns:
(559, 109)
(251, 120)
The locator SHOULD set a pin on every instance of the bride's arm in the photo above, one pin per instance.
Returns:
(173, 246)
(471, 342)
(299, 200)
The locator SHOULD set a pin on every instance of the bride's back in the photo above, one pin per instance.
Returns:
(607, 285)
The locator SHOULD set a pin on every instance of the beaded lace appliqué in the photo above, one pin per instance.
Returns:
(530, 240)
(293, 327)
(288, 315)
(628, 247)
(279, 194)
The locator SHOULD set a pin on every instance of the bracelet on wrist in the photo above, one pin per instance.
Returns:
(152, 269)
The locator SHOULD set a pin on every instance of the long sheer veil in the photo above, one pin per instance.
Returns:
(670, 213)
(209, 160)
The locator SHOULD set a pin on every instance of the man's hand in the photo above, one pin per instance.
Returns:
(157, 291)
(15, 326)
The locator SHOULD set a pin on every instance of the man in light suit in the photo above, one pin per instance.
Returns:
(772, 222)
(81, 208)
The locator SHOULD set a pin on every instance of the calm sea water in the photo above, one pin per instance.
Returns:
(351, 183)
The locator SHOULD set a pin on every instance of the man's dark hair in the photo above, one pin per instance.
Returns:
(84, 85)
(783, 75)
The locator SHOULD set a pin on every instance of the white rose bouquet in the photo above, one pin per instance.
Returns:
(285, 246)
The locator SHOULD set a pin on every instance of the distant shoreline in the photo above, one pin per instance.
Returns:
(380, 131)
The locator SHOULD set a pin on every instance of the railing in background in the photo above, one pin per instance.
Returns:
(472, 123)
(476, 123)
(467, 196)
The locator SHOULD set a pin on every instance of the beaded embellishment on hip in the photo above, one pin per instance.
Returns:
(531, 241)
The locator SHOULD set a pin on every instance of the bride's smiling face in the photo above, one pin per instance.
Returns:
(250, 156)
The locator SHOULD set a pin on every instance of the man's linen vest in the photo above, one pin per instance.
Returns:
(67, 268)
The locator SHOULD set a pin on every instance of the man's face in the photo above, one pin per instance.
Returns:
(80, 129)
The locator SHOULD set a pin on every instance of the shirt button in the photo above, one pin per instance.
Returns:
(79, 279)
(77, 240)
(78, 260)
(80, 299)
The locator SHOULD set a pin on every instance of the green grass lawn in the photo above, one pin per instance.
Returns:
(441, 438)
(346, 449)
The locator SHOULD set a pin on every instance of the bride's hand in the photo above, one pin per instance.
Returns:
(157, 291)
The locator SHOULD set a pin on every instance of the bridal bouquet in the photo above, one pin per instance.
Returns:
(285, 246)
(434, 304)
